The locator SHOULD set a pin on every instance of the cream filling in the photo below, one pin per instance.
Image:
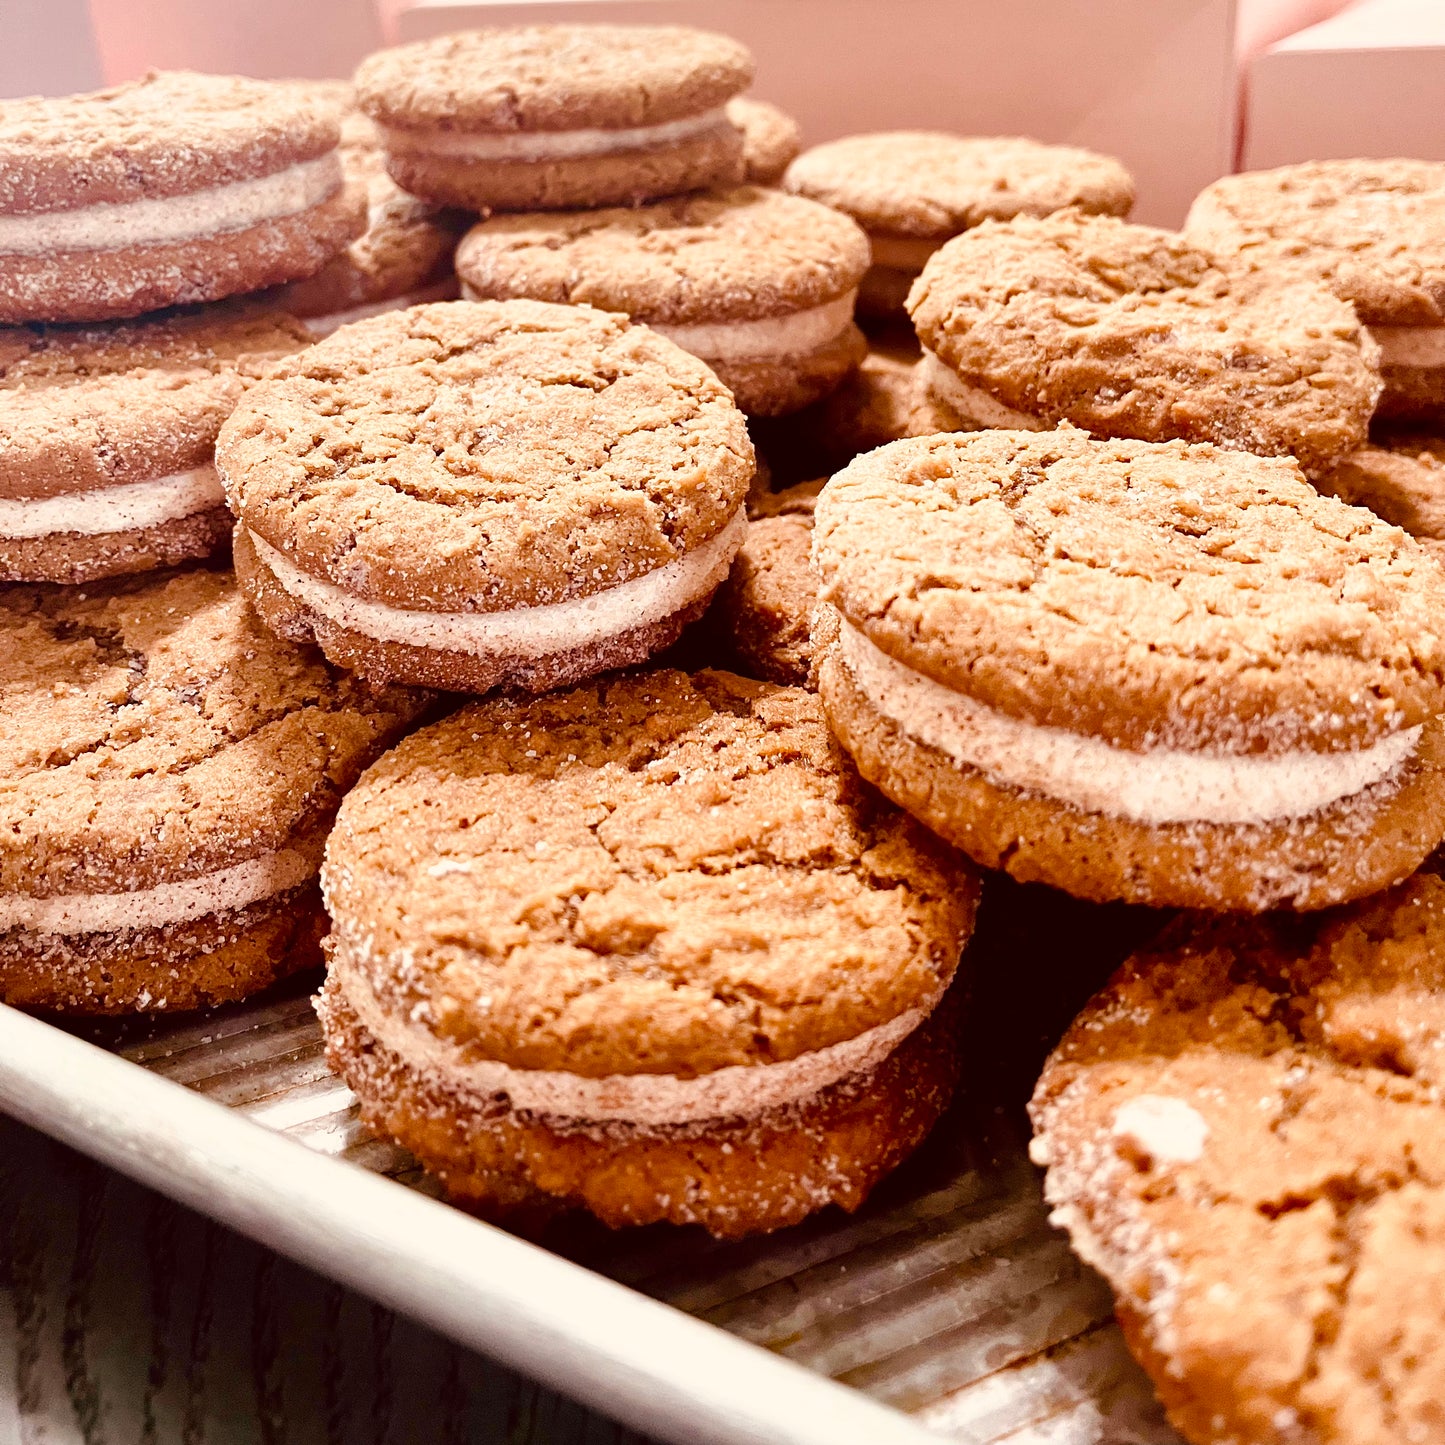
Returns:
(550, 145)
(108, 225)
(1422, 346)
(736, 1091)
(167, 903)
(972, 403)
(1160, 785)
(113, 509)
(320, 326)
(901, 253)
(524, 631)
(770, 338)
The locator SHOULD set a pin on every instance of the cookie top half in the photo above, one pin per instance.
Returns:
(1146, 594)
(83, 407)
(771, 138)
(152, 730)
(651, 873)
(169, 134)
(553, 77)
(741, 254)
(1131, 331)
(930, 184)
(1373, 231)
(1243, 1132)
(477, 457)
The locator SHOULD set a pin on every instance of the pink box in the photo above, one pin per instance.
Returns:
(1367, 82)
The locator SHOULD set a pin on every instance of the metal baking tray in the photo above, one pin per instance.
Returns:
(946, 1308)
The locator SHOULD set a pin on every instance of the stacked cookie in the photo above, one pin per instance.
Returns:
(615, 153)
(170, 768)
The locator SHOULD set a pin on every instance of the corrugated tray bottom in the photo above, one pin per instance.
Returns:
(949, 1296)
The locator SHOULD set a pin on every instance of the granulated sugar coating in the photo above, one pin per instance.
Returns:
(1243, 1132)
(1163, 608)
(665, 889)
(465, 461)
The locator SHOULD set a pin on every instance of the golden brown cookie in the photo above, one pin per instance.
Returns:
(557, 117)
(761, 614)
(404, 257)
(174, 188)
(1161, 673)
(1399, 476)
(1373, 231)
(771, 139)
(1133, 332)
(169, 771)
(649, 947)
(1245, 1132)
(757, 284)
(471, 494)
(107, 435)
(913, 190)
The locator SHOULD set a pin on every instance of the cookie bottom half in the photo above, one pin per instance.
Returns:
(80, 557)
(733, 1176)
(103, 285)
(1351, 849)
(883, 291)
(624, 178)
(396, 662)
(219, 958)
(778, 388)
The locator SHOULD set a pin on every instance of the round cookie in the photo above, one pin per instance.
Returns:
(914, 190)
(1130, 331)
(169, 772)
(761, 614)
(467, 495)
(1160, 673)
(1373, 231)
(771, 139)
(171, 189)
(1400, 476)
(648, 947)
(558, 117)
(758, 284)
(1244, 1134)
(404, 257)
(107, 435)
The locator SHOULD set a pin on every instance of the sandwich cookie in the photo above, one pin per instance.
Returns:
(556, 117)
(771, 139)
(404, 257)
(169, 771)
(175, 188)
(1159, 673)
(1401, 477)
(469, 495)
(759, 285)
(762, 612)
(913, 190)
(107, 435)
(648, 947)
(1129, 331)
(1243, 1133)
(1373, 232)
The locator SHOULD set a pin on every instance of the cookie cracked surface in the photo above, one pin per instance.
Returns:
(1243, 1131)
(1130, 331)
